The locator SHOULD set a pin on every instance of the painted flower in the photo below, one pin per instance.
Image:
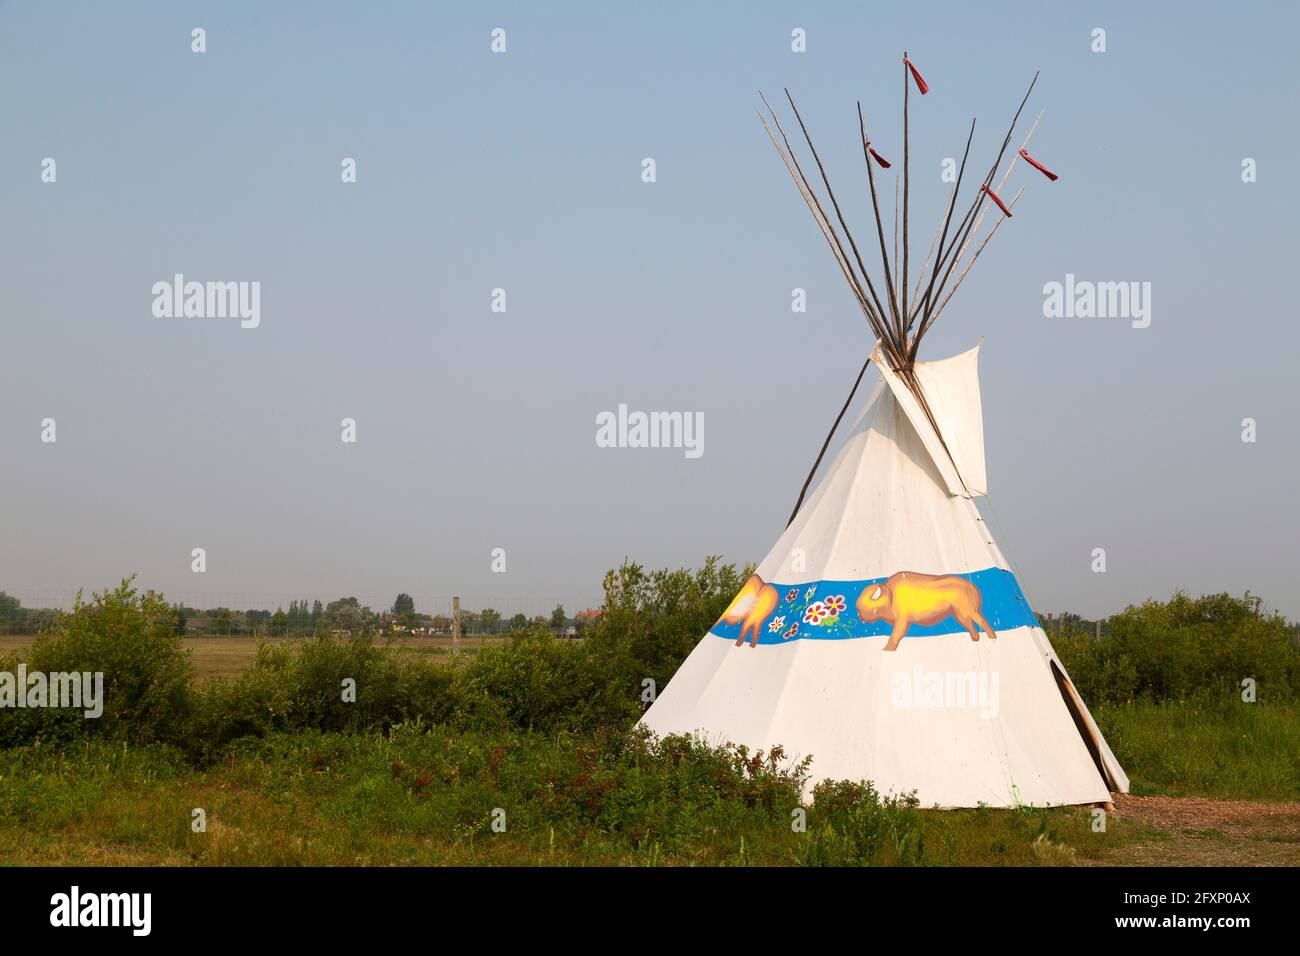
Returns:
(777, 624)
(793, 593)
(816, 611)
(794, 629)
(833, 605)
(808, 595)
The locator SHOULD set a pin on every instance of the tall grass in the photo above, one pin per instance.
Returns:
(1210, 747)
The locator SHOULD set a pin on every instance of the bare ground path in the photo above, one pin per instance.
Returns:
(1197, 831)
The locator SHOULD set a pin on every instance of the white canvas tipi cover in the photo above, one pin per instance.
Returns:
(890, 551)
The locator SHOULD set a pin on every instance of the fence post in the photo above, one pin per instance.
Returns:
(455, 625)
(1099, 629)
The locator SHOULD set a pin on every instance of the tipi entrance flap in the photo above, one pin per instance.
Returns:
(951, 389)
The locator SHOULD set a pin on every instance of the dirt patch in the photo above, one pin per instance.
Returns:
(1197, 831)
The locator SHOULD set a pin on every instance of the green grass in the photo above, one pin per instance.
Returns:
(422, 796)
(1224, 749)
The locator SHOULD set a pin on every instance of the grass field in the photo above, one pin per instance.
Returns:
(228, 656)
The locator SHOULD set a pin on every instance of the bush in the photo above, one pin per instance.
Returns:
(532, 682)
(651, 621)
(301, 686)
(130, 639)
(625, 788)
(1186, 648)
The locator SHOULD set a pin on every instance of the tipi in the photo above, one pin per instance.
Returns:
(885, 634)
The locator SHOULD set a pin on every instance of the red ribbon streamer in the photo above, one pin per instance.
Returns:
(916, 75)
(884, 163)
(994, 197)
(1039, 166)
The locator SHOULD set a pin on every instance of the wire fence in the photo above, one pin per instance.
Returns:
(1064, 622)
(26, 611)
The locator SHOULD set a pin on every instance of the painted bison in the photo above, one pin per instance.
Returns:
(908, 598)
(755, 602)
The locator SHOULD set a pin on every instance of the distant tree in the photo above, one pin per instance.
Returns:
(558, 617)
(181, 619)
(346, 614)
(405, 604)
(519, 622)
(219, 621)
(279, 623)
(9, 612)
(316, 612)
(349, 618)
(489, 619)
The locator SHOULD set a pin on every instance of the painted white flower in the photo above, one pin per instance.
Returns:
(816, 611)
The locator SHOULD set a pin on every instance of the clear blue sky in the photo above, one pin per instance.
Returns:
(522, 171)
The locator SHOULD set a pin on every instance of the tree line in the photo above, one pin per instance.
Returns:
(346, 614)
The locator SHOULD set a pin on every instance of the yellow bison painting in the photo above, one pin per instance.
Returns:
(908, 598)
(752, 605)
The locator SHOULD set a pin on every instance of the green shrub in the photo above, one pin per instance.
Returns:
(535, 681)
(652, 621)
(1183, 649)
(301, 686)
(626, 787)
(130, 639)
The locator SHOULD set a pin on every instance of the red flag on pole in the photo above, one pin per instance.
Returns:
(916, 75)
(1039, 166)
(994, 197)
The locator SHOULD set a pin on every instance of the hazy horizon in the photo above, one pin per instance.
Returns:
(475, 171)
